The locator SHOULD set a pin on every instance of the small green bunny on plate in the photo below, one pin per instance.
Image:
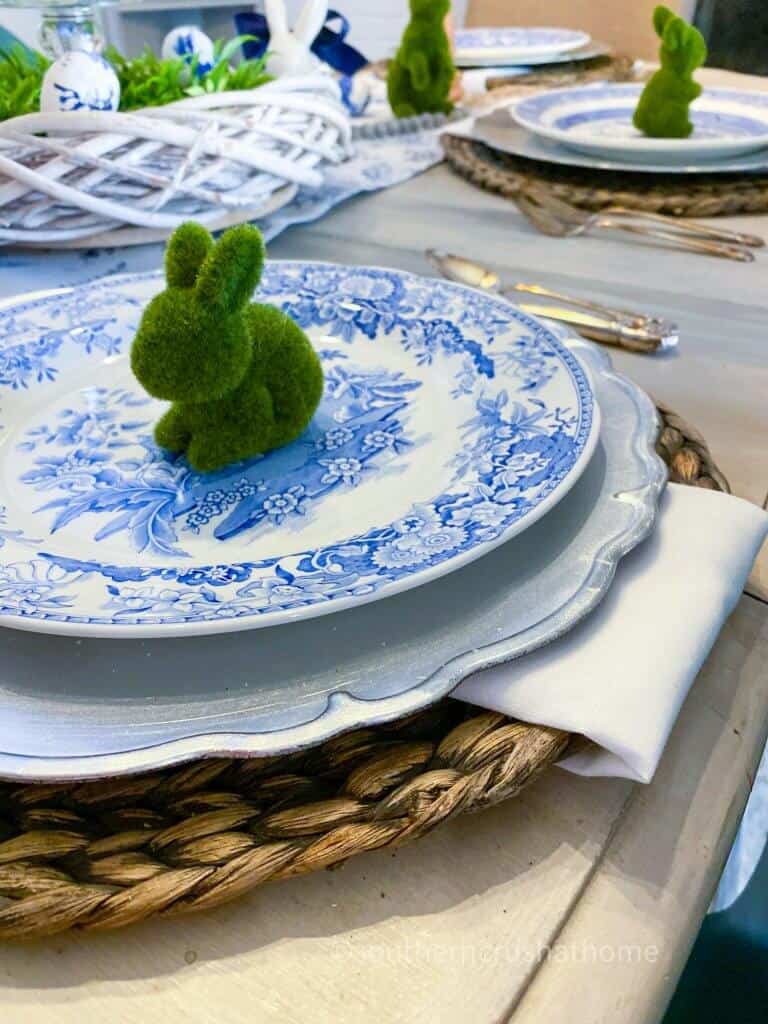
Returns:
(242, 376)
(662, 112)
(421, 72)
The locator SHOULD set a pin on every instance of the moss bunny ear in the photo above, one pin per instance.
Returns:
(232, 269)
(661, 18)
(695, 48)
(187, 248)
(673, 39)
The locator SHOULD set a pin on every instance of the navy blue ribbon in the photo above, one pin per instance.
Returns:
(329, 45)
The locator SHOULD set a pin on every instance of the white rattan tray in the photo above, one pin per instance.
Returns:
(109, 178)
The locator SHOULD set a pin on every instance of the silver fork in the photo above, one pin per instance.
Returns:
(681, 225)
(695, 228)
(554, 217)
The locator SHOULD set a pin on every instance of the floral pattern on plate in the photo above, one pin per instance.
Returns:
(450, 421)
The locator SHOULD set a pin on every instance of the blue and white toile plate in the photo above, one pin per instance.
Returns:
(597, 119)
(518, 45)
(451, 421)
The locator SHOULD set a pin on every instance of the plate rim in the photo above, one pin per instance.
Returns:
(578, 39)
(286, 616)
(565, 156)
(641, 144)
(594, 48)
(342, 711)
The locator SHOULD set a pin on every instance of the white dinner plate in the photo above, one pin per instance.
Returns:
(451, 421)
(515, 45)
(597, 119)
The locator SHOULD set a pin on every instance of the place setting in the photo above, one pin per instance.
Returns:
(460, 497)
(492, 58)
(603, 145)
(313, 540)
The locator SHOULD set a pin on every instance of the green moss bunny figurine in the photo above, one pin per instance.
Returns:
(243, 377)
(421, 73)
(662, 112)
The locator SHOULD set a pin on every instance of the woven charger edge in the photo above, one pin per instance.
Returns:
(105, 854)
(693, 196)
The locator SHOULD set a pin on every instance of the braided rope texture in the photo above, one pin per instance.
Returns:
(105, 854)
(573, 72)
(675, 195)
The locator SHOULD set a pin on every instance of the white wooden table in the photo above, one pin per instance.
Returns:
(582, 897)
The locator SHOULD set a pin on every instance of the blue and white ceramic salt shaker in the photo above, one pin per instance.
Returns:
(80, 80)
(189, 41)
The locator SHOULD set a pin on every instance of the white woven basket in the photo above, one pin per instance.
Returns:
(105, 178)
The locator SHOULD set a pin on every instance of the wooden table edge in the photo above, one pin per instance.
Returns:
(614, 910)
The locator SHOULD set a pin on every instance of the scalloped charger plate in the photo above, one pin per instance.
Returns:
(451, 422)
(499, 131)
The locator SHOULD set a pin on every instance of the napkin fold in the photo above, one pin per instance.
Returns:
(620, 677)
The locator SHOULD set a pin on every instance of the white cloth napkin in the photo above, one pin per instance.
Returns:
(621, 676)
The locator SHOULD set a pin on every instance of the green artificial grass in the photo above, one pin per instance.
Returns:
(243, 377)
(422, 71)
(145, 81)
(21, 78)
(662, 111)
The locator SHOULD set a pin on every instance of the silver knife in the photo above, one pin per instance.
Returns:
(610, 332)
(634, 332)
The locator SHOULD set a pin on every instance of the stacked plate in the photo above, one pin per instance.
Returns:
(523, 47)
(591, 126)
(462, 496)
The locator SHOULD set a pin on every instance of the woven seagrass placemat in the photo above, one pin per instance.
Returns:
(617, 68)
(694, 195)
(104, 854)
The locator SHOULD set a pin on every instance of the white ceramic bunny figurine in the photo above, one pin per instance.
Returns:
(289, 51)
